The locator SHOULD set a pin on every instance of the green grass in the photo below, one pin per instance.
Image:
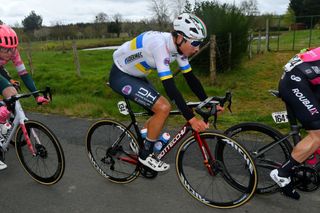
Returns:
(87, 96)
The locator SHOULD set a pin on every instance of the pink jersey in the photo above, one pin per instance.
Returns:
(311, 55)
(17, 61)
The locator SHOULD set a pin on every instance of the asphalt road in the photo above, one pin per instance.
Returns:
(82, 189)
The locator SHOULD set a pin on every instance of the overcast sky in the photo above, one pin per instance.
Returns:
(12, 12)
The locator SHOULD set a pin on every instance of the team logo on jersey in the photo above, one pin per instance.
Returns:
(166, 61)
(183, 58)
(126, 90)
(295, 78)
(133, 57)
(316, 69)
(302, 98)
(295, 61)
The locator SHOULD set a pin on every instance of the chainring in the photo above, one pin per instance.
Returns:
(306, 179)
(147, 172)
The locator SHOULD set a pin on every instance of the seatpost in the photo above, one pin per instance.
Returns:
(295, 128)
(134, 121)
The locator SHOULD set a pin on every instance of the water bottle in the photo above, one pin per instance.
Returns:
(143, 133)
(163, 140)
(5, 127)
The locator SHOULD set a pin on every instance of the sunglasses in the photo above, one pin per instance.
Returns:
(7, 50)
(194, 43)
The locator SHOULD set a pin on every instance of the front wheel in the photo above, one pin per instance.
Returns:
(255, 137)
(46, 165)
(220, 178)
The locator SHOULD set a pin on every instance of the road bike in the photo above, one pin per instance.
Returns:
(270, 149)
(37, 148)
(213, 168)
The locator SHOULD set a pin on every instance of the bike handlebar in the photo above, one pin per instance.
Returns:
(46, 92)
(211, 106)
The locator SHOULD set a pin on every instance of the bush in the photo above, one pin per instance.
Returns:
(222, 19)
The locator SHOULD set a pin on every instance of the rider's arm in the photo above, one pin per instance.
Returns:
(191, 79)
(195, 85)
(22, 72)
(174, 94)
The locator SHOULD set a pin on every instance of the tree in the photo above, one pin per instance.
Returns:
(160, 11)
(297, 7)
(178, 7)
(32, 22)
(187, 7)
(250, 7)
(101, 18)
(1, 22)
(116, 25)
(100, 24)
(305, 9)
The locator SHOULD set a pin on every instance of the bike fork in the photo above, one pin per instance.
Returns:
(26, 136)
(205, 152)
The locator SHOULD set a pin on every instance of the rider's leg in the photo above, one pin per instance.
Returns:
(154, 125)
(307, 146)
(7, 91)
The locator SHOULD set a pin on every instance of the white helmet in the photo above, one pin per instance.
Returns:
(190, 26)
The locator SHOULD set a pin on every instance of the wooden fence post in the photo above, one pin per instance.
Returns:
(250, 45)
(76, 58)
(213, 68)
(29, 56)
(267, 35)
(229, 52)
(259, 43)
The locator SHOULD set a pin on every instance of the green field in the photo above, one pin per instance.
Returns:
(87, 96)
(290, 40)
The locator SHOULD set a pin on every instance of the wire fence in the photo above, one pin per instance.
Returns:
(283, 34)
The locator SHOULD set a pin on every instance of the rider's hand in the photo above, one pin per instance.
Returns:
(42, 100)
(198, 125)
(219, 109)
(15, 84)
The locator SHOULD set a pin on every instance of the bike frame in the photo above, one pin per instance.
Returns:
(19, 119)
(169, 146)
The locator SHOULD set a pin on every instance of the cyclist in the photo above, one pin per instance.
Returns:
(9, 52)
(299, 88)
(152, 50)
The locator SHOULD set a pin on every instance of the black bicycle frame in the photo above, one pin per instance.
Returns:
(169, 146)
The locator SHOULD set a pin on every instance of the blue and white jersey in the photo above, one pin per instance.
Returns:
(149, 51)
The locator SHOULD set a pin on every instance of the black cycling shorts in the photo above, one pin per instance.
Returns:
(139, 90)
(302, 97)
(4, 79)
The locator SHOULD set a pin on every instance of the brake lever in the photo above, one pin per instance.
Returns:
(47, 92)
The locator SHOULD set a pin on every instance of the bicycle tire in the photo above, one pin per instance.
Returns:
(220, 190)
(253, 136)
(48, 165)
(119, 163)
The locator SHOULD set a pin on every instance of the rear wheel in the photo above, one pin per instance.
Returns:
(113, 151)
(226, 179)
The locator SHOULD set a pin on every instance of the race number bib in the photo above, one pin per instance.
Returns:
(280, 117)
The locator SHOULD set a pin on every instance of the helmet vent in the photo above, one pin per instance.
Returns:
(6, 40)
(193, 30)
(187, 21)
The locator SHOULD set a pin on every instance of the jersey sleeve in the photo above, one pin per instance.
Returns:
(17, 61)
(162, 61)
(184, 64)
